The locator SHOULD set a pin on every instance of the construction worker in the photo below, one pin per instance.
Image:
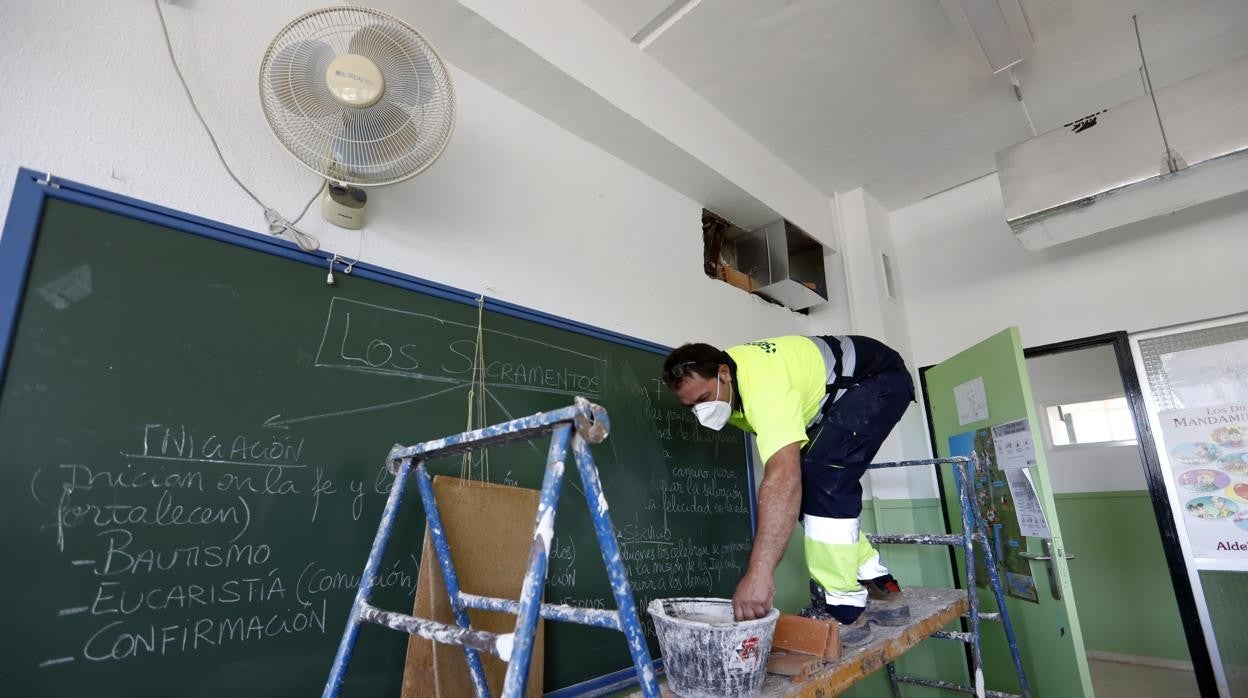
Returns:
(819, 407)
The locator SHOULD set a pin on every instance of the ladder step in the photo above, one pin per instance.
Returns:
(515, 430)
(989, 616)
(952, 635)
(925, 461)
(480, 640)
(936, 683)
(917, 538)
(568, 614)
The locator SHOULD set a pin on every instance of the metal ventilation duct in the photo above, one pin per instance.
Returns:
(1109, 169)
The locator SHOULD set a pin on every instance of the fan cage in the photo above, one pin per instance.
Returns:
(392, 140)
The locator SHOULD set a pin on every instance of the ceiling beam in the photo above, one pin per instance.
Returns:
(663, 21)
(562, 60)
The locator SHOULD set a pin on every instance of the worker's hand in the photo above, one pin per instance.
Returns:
(754, 596)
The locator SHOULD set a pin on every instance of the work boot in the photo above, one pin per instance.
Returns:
(853, 626)
(886, 604)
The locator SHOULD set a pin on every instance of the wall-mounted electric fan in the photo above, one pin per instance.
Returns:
(360, 98)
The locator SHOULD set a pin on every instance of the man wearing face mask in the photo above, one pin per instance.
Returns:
(820, 408)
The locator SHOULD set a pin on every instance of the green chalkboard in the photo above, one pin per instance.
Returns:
(191, 444)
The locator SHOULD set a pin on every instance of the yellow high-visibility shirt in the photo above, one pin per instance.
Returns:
(783, 383)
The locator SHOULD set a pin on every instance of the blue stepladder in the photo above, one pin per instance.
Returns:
(974, 530)
(576, 427)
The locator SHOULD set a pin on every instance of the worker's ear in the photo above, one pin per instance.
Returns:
(725, 374)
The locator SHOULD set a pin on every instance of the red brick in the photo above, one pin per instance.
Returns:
(819, 638)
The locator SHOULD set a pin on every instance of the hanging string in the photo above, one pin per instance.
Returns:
(476, 399)
(479, 373)
(348, 265)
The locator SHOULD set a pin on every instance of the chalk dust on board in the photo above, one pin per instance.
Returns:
(67, 289)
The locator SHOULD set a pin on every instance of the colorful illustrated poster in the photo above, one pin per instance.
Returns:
(996, 506)
(1208, 450)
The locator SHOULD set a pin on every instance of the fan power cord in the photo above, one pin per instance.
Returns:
(278, 225)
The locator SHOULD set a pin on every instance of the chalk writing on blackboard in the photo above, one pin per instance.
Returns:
(375, 339)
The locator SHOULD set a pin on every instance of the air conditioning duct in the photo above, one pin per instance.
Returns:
(1110, 168)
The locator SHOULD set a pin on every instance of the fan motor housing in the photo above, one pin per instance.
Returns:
(355, 81)
(343, 205)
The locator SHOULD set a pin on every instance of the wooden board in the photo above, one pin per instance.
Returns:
(489, 528)
(931, 609)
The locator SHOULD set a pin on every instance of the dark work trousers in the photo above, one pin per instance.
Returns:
(845, 440)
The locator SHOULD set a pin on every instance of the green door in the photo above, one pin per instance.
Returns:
(986, 386)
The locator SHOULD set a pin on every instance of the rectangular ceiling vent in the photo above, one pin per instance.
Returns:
(1111, 168)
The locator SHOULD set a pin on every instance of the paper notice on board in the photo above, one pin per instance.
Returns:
(972, 401)
(1208, 376)
(1013, 446)
(1031, 519)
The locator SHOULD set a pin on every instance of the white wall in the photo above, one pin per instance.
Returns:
(892, 310)
(866, 231)
(516, 208)
(1073, 376)
(1086, 374)
(966, 277)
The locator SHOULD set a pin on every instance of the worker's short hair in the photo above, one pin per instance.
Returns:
(694, 358)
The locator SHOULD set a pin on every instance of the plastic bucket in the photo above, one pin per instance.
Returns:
(708, 655)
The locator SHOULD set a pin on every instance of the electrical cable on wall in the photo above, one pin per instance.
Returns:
(278, 225)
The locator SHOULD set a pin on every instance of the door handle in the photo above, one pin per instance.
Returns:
(1055, 586)
(1033, 556)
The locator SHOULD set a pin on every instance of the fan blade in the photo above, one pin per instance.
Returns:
(376, 145)
(296, 76)
(351, 149)
(404, 60)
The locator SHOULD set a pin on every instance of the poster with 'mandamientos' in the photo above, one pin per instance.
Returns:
(1208, 454)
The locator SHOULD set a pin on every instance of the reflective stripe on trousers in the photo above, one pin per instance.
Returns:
(837, 556)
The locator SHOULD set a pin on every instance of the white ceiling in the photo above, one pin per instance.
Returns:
(881, 94)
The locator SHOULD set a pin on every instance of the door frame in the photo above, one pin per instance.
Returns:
(1202, 663)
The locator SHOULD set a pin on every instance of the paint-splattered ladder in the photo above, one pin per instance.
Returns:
(974, 530)
(578, 426)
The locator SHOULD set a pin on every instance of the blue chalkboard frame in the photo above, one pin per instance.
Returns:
(17, 245)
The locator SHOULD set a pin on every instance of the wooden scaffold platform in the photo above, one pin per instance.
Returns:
(930, 610)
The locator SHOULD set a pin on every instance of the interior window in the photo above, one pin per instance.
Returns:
(1091, 422)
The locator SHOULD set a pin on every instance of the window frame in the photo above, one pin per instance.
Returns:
(1047, 428)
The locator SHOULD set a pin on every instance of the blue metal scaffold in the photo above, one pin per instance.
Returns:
(974, 530)
(576, 426)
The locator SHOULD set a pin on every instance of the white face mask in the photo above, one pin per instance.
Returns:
(714, 414)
